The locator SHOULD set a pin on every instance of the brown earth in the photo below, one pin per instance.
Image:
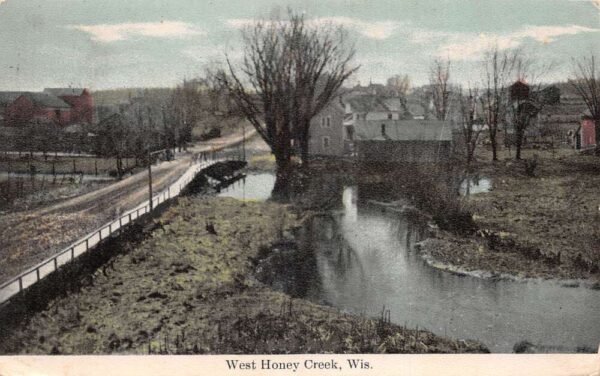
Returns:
(546, 225)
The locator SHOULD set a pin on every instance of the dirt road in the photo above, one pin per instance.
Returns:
(29, 237)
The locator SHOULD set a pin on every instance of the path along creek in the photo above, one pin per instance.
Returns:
(359, 259)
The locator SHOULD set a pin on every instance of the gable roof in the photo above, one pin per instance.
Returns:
(38, 99)
(367, 103)
(7, 97)
(45, 100)
(63, 91)
(404, 130)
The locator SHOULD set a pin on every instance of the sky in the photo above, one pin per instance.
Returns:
(103, 44)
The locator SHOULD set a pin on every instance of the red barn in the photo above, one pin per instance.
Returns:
(586, 134)
(64, 106)
(81, 101)
(30, 106)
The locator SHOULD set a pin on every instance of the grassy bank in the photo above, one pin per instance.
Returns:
(545, 224)
(189, 289)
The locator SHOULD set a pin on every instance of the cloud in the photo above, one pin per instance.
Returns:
(468, 46)
(371, 29)
(106, 33)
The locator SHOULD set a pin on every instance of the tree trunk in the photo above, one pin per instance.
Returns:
(518, 143)
(494, 149)
(304, 150)
(493, 133)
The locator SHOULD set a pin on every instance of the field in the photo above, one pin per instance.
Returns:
(189, 288)
(61, 165)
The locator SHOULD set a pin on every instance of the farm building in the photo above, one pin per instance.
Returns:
(61, 106)
(585, 136)
(401, 141)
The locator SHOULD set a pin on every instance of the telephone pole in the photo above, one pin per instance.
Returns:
(150, 180)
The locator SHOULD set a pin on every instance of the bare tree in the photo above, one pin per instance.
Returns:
(439, 78)
(470, 130)
(528, 97)
(497, 71)
(289, 73)
(400, 84)
(586, 82)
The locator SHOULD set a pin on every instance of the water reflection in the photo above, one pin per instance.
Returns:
(474, 185)
(252, 187)
(359, 258)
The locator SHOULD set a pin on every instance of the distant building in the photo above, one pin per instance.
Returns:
(403, 141)
(585, 135)
(327, 134)
(60, 106)
(81, 101)
(27, 107)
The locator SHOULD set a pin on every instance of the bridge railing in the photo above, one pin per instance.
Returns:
(36, 273)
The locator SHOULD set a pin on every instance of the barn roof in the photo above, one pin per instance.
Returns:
(64, 91)
(7, 97)
(39, 99)
(46, 100)
(404, 130)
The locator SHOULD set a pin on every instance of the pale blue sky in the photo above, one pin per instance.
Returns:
(115, 43)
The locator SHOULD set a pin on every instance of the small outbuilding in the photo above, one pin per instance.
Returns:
(404, 141)
(585, 135)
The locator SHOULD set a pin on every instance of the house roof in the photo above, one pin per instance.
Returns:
(367, 103)
(393, 104)
(404, 130)
(416, 109)
(7, 97)
(46, 100)
(63, 91)
(38, 99)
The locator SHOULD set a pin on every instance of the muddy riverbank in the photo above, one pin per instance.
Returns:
(191, 288)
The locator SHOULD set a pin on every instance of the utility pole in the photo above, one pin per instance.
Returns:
(243, 140)
(150, 179)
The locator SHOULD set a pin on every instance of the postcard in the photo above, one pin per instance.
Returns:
(300, 187)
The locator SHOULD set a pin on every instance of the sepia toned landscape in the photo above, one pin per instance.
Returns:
(297, 177)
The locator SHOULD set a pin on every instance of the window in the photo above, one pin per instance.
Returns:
(350, 133)
(390, 116)
(325, 142)
(382, 129)
(328, 122)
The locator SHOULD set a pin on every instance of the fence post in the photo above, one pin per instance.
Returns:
(72, 253)
(87, 244)
(55, 264)
(20, 284)
(37, 273)
(100, 235)
(109, 229)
